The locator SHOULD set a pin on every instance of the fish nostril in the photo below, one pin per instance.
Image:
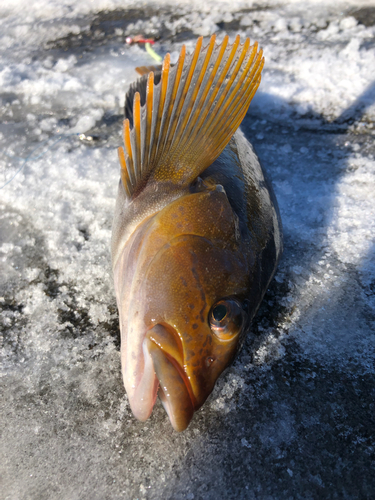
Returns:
(209, 361)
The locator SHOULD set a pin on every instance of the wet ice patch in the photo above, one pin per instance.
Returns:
(317, 79)
(222, 398)
(87, 122)
(352, 230)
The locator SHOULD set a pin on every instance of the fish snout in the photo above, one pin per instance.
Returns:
(175, 392)
(187, 376)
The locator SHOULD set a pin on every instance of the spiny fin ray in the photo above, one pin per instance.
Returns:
(190, 116)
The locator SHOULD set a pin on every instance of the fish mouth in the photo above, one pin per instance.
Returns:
(175, 392)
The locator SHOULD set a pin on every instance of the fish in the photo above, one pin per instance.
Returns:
(197, 233)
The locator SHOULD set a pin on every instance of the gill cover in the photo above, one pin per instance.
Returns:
(180, 270)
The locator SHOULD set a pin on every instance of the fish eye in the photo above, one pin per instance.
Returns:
(219, 312)
(226, 319)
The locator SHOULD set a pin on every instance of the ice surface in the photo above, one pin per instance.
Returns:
(294, 416)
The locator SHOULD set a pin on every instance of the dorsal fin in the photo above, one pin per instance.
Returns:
(139, 86)
(189, 118)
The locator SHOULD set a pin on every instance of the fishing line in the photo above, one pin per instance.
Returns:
(152, 53)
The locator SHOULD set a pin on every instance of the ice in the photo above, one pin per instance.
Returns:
(293, 417)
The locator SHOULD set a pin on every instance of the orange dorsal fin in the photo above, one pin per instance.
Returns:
(191, 115)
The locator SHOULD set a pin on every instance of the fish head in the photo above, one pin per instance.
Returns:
(185, 314)
(197, 326)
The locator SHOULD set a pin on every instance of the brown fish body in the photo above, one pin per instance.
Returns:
(193, 250)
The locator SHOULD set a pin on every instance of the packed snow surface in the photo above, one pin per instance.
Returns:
(294, 416)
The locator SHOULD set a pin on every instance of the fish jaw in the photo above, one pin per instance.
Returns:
(162, 374)
(183, 385)
(143, 396)
(175, 391)
(138, 371)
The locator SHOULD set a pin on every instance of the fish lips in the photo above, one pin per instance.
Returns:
(175, 392)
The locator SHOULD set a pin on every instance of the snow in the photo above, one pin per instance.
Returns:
(293, 416)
